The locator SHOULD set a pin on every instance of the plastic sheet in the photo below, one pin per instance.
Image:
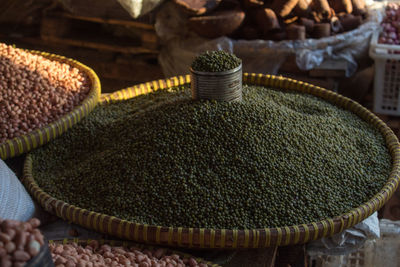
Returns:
(180, 45)
(347, 241)
(375, 252)
(137, 8)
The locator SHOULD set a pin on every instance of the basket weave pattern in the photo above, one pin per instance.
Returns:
(25, 143)
(228, 238)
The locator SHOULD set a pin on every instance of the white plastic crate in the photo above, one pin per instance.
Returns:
(387, 77)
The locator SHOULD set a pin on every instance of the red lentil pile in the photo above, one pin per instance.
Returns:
(94, 255)
(35, 91)
(19, 242)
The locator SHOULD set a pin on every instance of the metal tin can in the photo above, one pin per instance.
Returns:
(223, 86)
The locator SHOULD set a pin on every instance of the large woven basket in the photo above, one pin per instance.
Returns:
(24, 143)
(226, 238)
(84, 242)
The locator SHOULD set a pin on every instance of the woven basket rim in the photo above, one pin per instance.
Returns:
(126, 243)
(37, 137)
(229, 238)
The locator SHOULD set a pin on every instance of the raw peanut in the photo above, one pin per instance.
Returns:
(119, 250)
(140, 258)
(3, 252)
(175, 257)
(131, 255)
(34, 222)
(58, 249)
(147, 252)
(20, 240)
(94, 244)
(192, 262)
(159, 253)
(27, 226)
(60, 260)
(81, 263)
(4, 237)
(18, 264)
(6, 262)
(65, 253)
(108, 255)
(121, 258)
(11, 233)
(72, 258)
(106, 247)
(85, 257)
(125, 262)
(144, 264)
(10, 247)
(20, 255)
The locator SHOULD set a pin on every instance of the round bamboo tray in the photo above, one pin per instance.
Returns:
(24, 143)
(84, 242)
(229, 238)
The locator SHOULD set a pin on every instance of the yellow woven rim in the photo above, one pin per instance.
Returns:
(25, 143)
(226, 238)
(131, 244)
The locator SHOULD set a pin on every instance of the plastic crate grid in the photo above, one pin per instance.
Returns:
(387, 77)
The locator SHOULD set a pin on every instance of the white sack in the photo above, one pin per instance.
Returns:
(15, 202)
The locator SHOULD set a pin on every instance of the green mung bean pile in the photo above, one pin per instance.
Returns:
(215, 61)
(277, 158)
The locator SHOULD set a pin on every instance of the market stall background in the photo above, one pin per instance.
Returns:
(125, 51)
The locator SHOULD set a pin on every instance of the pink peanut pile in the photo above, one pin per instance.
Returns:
(35, 91)
(94, 255)
(19, 242)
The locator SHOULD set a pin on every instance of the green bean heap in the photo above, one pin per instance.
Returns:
(215, 61)
(277, 158)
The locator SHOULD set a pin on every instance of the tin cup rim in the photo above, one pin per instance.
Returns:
(216, 73)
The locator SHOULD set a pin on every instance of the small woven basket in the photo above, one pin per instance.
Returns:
(38, 137)
(229, 238)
